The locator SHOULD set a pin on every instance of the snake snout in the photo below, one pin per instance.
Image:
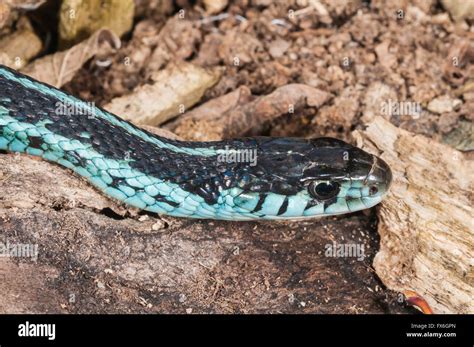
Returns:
(379, 178)
(384, 173)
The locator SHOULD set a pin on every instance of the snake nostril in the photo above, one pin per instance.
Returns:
(373, 190)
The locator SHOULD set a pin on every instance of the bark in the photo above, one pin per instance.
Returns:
(426, 226)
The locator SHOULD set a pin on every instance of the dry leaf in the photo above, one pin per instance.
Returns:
(59, 68)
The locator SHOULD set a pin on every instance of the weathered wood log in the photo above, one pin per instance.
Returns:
(426, 223)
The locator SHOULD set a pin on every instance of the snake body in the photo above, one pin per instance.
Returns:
(286, 178)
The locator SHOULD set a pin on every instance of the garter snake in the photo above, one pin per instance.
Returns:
(239, 179)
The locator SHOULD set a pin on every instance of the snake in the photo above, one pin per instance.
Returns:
(248, 178)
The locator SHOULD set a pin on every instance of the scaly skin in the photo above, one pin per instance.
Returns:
(272, 178)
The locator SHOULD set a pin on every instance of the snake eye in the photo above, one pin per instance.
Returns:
(373, 190)
(323, 190)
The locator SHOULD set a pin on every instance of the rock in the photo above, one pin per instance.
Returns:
(459, 9)
(462, 137)
(443, 104)
(18, 48)
(278, 48)
(178, 87)
(386, 59)
(4, 14)
(215, 6)
(79, 19)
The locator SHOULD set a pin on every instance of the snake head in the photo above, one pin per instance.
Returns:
(297, 178)
(341, 178)
(344, 178)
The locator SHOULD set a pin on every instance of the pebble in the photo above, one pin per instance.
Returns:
(278, 48)
(443, 104)
(158, 225)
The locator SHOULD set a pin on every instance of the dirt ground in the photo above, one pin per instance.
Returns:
(100, 257)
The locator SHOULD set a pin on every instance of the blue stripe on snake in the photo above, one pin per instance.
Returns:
(239, 179)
